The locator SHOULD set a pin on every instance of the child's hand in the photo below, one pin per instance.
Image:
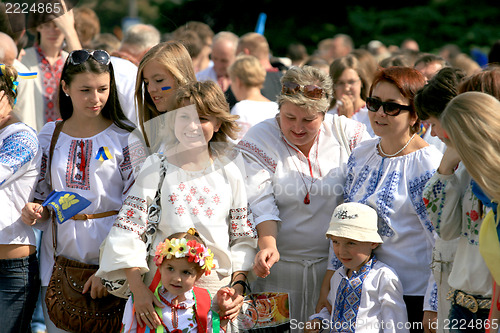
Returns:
(312, 326)
(224, 296)
(32, 212)
(97, 289)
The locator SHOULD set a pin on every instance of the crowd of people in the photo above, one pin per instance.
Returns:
(361, 182)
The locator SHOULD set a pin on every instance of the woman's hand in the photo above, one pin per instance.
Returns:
(32, 212)
(97, 289)
(429, 321)
(449, 161)
(346, 107)
(144, 303)
(264, 260)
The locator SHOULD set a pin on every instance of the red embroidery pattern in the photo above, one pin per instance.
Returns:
(134, 209)
(133, 155)
(241, 225)
(259, 153)
(77, 171)
(194, 202)
(50, 75)
(358, 131)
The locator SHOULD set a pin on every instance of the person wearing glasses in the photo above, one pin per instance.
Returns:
(350, 89)
(162, 70)
(95, 155)
(295, 165)
(389, 173)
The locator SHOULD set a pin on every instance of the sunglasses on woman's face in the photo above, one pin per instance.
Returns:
(309, 91)
(80, 56)
(389, 108)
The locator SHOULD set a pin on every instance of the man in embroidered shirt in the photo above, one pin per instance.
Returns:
(366, 294)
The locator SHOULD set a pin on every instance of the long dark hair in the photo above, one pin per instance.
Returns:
(112, 110)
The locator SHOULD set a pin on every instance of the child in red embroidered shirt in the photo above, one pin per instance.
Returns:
(181, 259)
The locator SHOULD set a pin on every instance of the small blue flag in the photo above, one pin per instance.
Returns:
(66, 204)
(103, 154)
(261, 23)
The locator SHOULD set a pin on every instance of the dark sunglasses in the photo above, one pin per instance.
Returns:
(390, 108)
(309, 91)
(80, 56)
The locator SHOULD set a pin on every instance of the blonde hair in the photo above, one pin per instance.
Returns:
(472, 121)
(307, 75)
(174, 56)
(248, 69)
(256, 44)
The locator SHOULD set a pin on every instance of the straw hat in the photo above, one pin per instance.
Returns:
(355, 221)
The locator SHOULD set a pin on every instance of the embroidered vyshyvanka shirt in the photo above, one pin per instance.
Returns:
(104, 183)
(455, 212)
(371, 300)
(20, 157)
(393, 187)
(213, 201)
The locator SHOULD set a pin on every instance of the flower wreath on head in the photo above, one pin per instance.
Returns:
(182, 248)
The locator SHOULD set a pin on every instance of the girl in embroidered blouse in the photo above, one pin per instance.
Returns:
(93, 122)
(20, 157)
(182, 259)
(295, 167)
(202, 188)
(163, 69)
(388, 174)
(47, 56)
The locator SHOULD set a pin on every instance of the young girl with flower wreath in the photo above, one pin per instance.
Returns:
(182, 259)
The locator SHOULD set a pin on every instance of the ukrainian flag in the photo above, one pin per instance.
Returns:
(65, 204)
(31, 75)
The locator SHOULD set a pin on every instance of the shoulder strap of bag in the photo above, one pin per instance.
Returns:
(48, 175)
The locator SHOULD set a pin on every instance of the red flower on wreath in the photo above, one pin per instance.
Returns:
(195, 249)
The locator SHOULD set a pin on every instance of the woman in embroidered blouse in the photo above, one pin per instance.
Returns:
(20, 158)
(388, 174)
(295, 166)
(202, 188)
(350, 89)
(93, 121)
(47, 57)
(457, 212)
(163, 69)
(471, 124)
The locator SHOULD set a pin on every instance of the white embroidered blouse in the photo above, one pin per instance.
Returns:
(213, 201)
(279, 177)
(393, 186)
(20, 157)
(455, 212)
(104, 183)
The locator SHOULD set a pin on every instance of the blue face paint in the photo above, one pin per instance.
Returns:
(166, 88)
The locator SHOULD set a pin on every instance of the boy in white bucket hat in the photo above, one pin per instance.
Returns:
(366, 294)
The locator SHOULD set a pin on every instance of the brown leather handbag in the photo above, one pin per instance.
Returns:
(67, 307)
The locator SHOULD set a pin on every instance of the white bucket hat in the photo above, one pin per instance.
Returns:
(355, 221)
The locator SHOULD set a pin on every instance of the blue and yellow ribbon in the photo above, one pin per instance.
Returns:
(103, 154)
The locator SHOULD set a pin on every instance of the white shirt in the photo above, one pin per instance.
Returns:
(125, 78)
(361, 116)
(393, 186)
(213, 201)
(207, 74)
(454, 211)
(105, 184)
(375, 305)
(252, 113)
(20, 157)
(25, 105)
(279, 176)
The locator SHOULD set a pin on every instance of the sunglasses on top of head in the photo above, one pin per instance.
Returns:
(80, 56)
(309, 91)
(389, 108)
